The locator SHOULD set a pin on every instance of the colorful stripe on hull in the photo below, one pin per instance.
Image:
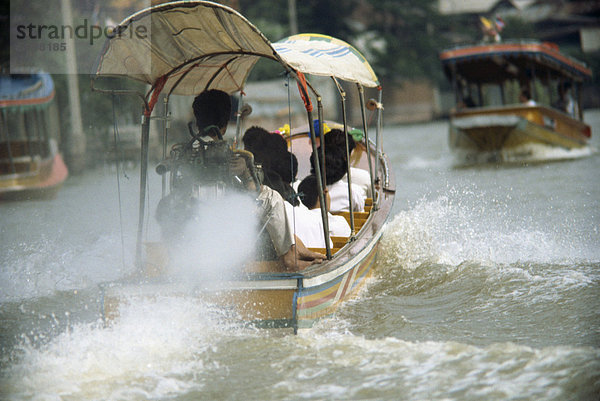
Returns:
(317, 302)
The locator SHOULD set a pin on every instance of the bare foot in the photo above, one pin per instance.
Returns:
(307, 254)
(295, 259)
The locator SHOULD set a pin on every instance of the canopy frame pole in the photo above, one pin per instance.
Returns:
(143, 184)
(313, 142)
(379, 135)
(321, 140)
(361, 92)
(345, 122)
(323, 202)
(143, 162)
(166, 127)
(238, 122)
(325, 220)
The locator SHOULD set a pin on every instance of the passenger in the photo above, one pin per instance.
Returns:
(525, 98)
(565, 102)
(338, 226)
(335, 169)
(360, 177)
(279, 165)
(212, 109)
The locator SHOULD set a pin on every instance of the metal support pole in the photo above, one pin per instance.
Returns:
(378, 135)
(322, 140)
(324, 216)
(166, 126)
(143, 183)
(238, 123)
(367, 143)
(345, 121)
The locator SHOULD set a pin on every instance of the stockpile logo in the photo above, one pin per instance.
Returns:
(62, 36)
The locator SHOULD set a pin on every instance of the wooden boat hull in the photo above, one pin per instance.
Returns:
(508, 133)
(265, 300)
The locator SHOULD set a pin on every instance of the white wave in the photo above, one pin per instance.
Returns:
(152, 351)
(422, 163)
(528, 153)
(47, 265)
(395, 369)
(465, 226)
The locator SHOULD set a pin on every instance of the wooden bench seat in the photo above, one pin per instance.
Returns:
(324, 251)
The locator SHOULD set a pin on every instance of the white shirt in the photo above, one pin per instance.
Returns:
(309, 225)
(338, 193)
(362, 178)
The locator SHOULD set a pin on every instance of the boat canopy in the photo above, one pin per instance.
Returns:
(26, 90)
(326, 56)
(185, 47)
(498, 62)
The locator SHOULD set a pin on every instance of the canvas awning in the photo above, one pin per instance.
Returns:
(326, 56)
(187, 46)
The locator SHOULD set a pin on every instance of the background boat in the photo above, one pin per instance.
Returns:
(514, 101)
(30, 163)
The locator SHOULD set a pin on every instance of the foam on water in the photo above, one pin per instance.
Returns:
(153, 350)
(179, 347)
(47, 265)
(453, 229)
(391, 368)
(529, 153)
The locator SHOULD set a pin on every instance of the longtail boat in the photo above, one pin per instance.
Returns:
(31, 166)
(200, 45)
(515, 101)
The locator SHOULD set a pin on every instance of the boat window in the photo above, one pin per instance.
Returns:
(491, 94)
(42, 127)
(51, 122)
(512, 89)
(15, 125)
(31, 126)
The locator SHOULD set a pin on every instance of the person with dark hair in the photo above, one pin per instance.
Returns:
(335, 138)
(212, 109)
(565, 101)
(278, 164)
(335, 170)
(362, 178)
(525, 98)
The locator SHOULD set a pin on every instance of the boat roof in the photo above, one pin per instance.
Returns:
(493, 62)
(192, 46)
(323, 55)
(26, 89)
(189, 46)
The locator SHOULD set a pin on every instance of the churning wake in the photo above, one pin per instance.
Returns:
(451, 230)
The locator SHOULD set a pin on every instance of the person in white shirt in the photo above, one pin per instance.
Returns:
(308, 219)
(335, 170)
(360, 177)
(525, 98)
